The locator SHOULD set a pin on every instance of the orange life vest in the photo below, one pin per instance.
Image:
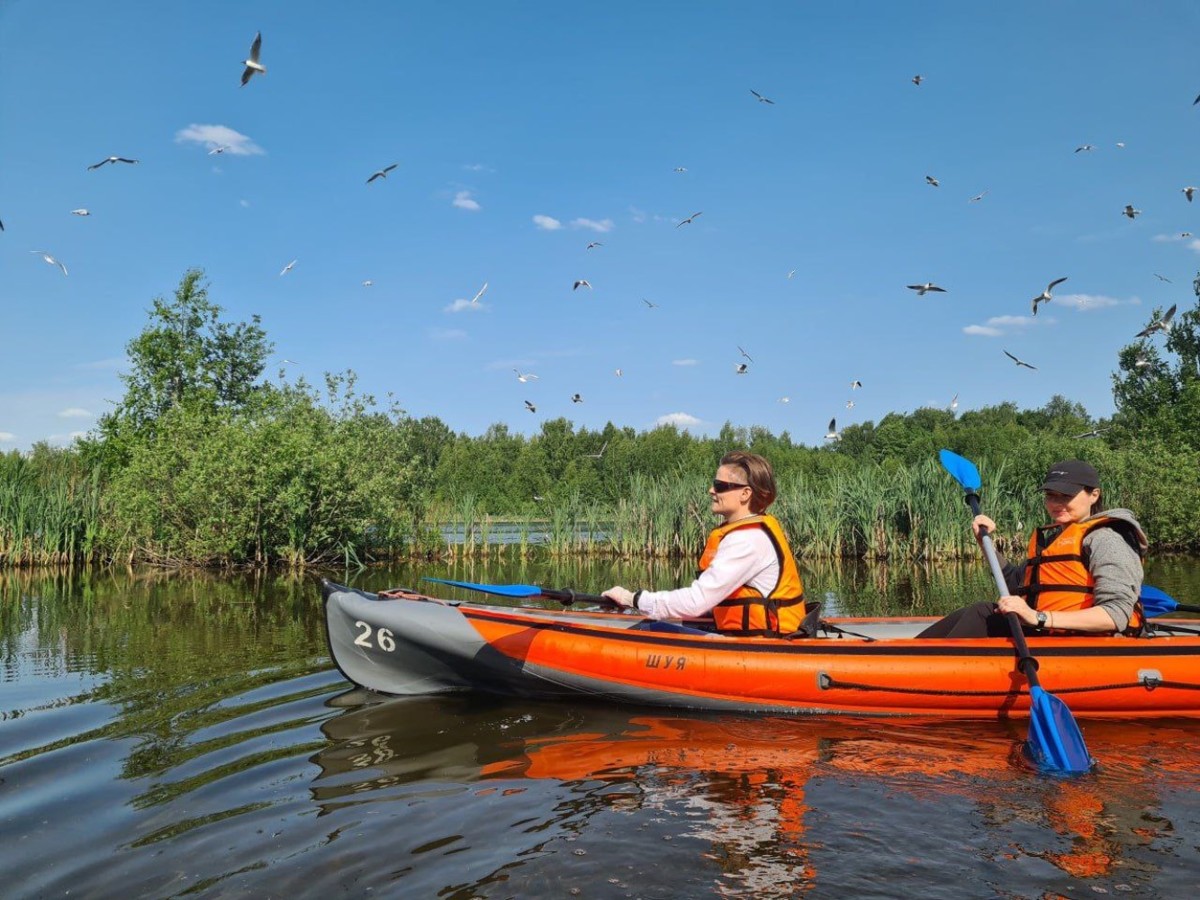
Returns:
(1056, 576)
(746, 611)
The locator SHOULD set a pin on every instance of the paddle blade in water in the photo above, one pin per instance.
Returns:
(1055, 742)
(962, 469)
(502, 590)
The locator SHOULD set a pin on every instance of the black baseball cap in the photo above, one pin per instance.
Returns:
(1070, 477)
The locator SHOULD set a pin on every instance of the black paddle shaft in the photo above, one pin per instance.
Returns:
(1025, 660)
(567, 596)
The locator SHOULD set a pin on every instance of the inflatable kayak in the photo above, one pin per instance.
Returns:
(405, 642)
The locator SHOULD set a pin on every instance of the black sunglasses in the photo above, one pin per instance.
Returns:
(721, 487)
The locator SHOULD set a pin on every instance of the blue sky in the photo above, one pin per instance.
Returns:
(524, 132)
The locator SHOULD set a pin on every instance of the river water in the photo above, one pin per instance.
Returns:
(168, 735)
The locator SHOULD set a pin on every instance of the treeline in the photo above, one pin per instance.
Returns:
(207, 462)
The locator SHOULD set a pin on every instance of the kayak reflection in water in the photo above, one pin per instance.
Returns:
(748, 580)
(1083, 574)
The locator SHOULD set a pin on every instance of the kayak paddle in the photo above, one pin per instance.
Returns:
(1055, 742)
(1156, 602)
(565, 597)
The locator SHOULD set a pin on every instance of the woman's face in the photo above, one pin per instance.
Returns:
(1064, 509)
(731, 502)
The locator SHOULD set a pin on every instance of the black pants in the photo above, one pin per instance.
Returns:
(974, 621)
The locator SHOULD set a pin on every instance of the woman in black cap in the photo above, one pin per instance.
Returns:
(1083, 574)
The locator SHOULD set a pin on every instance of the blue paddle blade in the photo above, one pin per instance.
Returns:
(1156, 602)
(502, 590)
(1055, 743)
(962, 469)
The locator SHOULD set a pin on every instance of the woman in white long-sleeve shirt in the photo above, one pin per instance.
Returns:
(748, 577)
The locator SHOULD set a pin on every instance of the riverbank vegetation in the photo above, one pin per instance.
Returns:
(207, 460)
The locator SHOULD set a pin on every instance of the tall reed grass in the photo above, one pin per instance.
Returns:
(50, 510)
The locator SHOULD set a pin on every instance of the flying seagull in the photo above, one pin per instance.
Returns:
(1163, 324)
(649, 304)
(977, 197)
(368, 283)
(252, 64)
(954, 403)
(741, 368)
(917, 79)
(218, 150)
(923, 289)
(529, 406)
(690, 218)
(112, 159)
(785, 399)
(1, 226)
(582, 282)
(1095, 432)
(1045, 296)
(577, 398)
(929, 179)
(527, 376)
(761, 98)
(1131, 212)
(603, 447)
(1197, 100)
(855, 384)
(791, 273)
(288, 267)
(849, 404)
(617, 372)
(382, 173)
(475, 299)
(1019, 362)
(593, 244)
(832, 433)
(744, 353)
(1084, 148)
(80, 212)
(54, 262)
(1188, 192)
(1163, 278)
(681, 169)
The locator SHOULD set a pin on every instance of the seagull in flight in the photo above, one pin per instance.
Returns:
(603, 447)
(917, 79)
(849, 404)
(1095, 432)
(252, 64)
(80, 212)
(792, 273)
(954, 403)
(1131, 212)
(475, 299)
(832, 434)
(617, 372)
(1019, 362)
(785, 399)
(382, 173)
(923, 289)
(1188, 192)
(577, 398)
(649, 304)
(1045, 296)
(215, 151)
(1163, 278)
(529, 406)
(855, 384)
(593, 244)
(741, 368)
(50, 259)
(689, 219)
(761, 98)
(112, 159)
(582, 282)
(744, 353)
(1084, 148)
(288, 267)
(930, 180)
(1163, 324)
(368, 283)
(977, 197)
(527, 376)
(681, 169)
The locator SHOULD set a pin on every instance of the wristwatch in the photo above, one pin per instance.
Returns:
(1041, 621)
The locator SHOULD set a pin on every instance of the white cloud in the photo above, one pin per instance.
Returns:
(685, 362)
(447, 334)
(982, 331)
(463, 200)
(547, 223)
(7, 437)
(678, 419)
(75, 412)
(462, 305)
(1088, 302)
(214, 136)
(603, 225)
(639, 215)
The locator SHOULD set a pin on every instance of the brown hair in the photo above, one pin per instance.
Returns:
(759, 476)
